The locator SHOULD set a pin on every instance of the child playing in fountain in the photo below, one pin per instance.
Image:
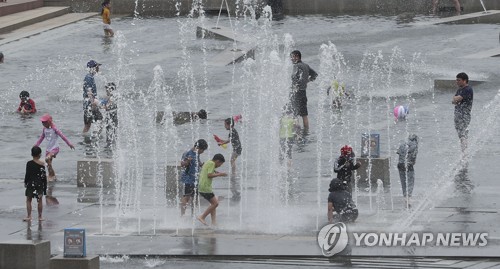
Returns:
(35, 182)
(111, 118)
(407, 152)
(27, 105)
(289, 125)
(51, 133)
(340, 201)
(106, 18)
(191, 163)
(205, 187)
(338, 92)
(344, 165)
(234, 138)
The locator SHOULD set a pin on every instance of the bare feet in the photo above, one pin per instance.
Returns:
(40, 219)
(27, 219)
(202, 221)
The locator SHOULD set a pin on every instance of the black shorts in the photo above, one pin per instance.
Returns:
(34, 192)
(189, 190)
(91, 117)
(299, 103)
(207, 196)
(462, 127)
(348, 215)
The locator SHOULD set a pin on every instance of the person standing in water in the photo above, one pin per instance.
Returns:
(50, 133)
(234, 139)
(407, 152)
(463, 106)
(191, 164)
(35, 182)
(301, 75)
(89, 86)
(106, 18)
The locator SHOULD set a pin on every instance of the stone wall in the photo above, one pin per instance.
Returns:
(291, 7)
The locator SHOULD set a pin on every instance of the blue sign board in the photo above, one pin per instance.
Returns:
(74, 242)
(370, 145)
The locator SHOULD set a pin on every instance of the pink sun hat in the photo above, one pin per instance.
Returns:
(46, 117)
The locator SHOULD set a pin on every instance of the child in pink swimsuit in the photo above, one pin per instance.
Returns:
(51, 133)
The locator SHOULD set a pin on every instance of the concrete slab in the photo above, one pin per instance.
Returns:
(14, 6)
(15, 21)
(484, 54)
(89, 170)
(13, 254)
(218, 32)
(233, 55)
(491, 16)
(43, 26)
(380, 169)
(61, 262)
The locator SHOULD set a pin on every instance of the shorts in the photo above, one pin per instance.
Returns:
(106, 26)
(53, 151)
(189, 190)
(349, 215)
(462, 127)
(34, 192)
(207, 196)
(235, 154)
(91, 116)
(299, 103)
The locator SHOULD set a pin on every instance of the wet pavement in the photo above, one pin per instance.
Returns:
(146, 232)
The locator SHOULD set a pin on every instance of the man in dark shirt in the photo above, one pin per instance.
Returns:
(463, 106)
(301, 75)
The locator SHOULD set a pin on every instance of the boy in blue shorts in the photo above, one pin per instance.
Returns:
(205, 187)
(191, 163)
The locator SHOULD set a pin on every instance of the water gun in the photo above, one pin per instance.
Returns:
(224, 146)
(237, 118)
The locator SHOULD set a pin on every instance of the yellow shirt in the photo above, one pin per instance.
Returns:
(287, 124)
(205, 185)
(338, 89)
(106, 16)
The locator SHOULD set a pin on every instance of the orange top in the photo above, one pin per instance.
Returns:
(106, 16)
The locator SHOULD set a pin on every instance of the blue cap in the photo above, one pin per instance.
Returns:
(92, 64)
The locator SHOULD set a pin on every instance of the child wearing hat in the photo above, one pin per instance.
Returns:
(50, 133)
(344, 165)
(89, 95)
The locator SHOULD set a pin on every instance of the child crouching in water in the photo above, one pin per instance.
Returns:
(35, 182)
(51, 133)
(205, 187)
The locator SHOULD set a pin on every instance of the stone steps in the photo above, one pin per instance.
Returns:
(15, 6)
(18, 20)
(43, 26)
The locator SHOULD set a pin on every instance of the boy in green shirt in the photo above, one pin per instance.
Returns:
(205, 187)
